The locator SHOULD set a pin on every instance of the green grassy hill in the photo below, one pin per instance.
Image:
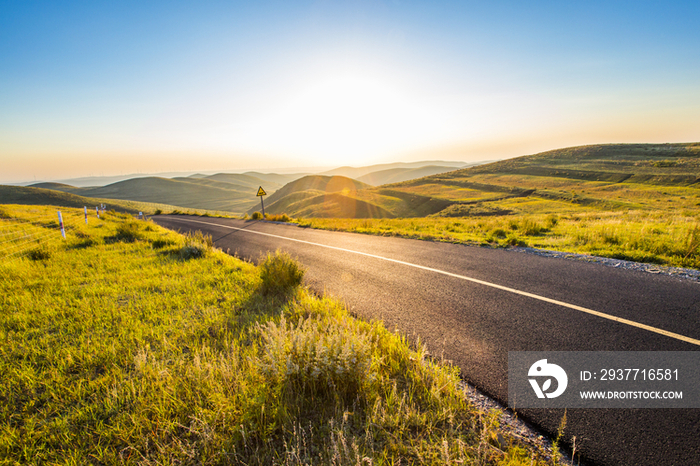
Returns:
(307, 190)
(39, 196)
(607, 176)
(328, 184)
(55, 186)
(277, 178)
(210, 193)
(340, 197)
(235, 192)
(35, 195)
(331, 205)
(228, 192)
(245, 181)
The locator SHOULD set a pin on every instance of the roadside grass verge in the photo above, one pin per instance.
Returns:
(278, 218)
(669, 238)
(200, 213)
(118, 348)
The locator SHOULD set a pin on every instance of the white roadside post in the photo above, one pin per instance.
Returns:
(60, 222)
(97, 211)
(85, 215)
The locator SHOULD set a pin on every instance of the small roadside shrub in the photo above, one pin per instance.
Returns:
(515, 240)
(128, 232)
(552, 220)
(280, 273)
(529, 227)
(196, 245)
(158, 212)
(257, 216)
(498, 233)
(40, 253)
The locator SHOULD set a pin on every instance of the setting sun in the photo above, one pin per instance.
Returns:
(351, 116)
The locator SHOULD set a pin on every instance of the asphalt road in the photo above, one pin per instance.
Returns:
(472, 305)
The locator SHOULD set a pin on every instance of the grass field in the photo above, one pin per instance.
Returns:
(129, 344)
(660, 238)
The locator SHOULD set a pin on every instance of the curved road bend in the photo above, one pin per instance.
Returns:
(473, 305)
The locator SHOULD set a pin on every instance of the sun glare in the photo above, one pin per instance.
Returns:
(342, 116)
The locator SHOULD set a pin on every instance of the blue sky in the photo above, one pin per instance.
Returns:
(90, 88)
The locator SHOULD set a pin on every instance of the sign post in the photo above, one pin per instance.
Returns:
(261, 193)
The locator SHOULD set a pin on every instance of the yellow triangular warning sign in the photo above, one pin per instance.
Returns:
(261, 192)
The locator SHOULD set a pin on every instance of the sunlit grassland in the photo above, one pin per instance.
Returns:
(129, 344)
(668, 238)
(452, 193)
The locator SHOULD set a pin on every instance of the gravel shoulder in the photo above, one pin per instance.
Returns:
(689, 274)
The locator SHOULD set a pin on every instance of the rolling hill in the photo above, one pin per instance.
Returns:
(357, 172)
(252, 180)
(235, 192)
(196, 193)
(327, 184)
(662, 164)
(341, 197)
(308, 194)
(608, 177)
(225, 192)
(396, 175)
(24, 195)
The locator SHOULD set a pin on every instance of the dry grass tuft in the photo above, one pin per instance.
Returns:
(280, 273)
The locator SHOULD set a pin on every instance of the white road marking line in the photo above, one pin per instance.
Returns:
(473, 280)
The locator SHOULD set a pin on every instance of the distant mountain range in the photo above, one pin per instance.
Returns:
(235, 192)
(213, 193)
(358, 172)
(93, 181)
